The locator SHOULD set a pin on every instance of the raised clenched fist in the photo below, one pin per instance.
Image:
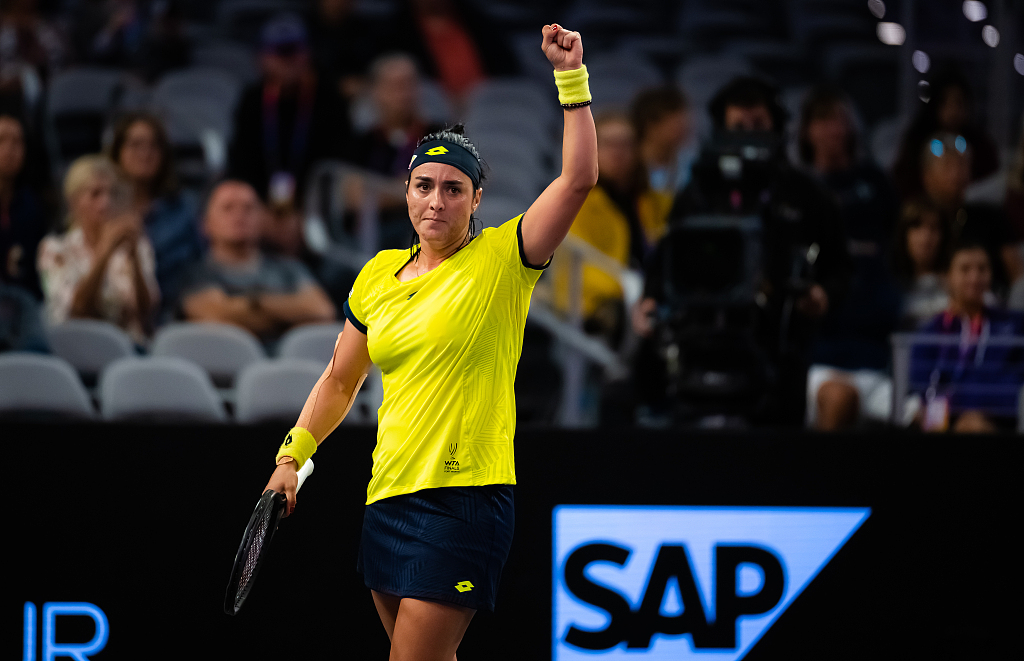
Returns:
(563, 48)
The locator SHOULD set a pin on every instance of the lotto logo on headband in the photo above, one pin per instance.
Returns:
(436, 151)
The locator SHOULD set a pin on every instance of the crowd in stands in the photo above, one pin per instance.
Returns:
(845, 251)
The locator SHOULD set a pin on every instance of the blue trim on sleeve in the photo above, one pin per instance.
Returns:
(360, 326)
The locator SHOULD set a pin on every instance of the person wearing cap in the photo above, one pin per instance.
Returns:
(288, 120)
(444, 322)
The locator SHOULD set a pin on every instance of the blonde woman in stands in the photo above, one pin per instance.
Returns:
(444, 322)
(102, 266)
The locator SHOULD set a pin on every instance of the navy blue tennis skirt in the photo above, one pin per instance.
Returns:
(448, 544)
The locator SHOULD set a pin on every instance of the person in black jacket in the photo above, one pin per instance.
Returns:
(289, 120)
(803, 267)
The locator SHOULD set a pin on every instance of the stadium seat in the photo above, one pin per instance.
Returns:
(310, 342)
(507, 96)
(163, 389)
(79, 103)
(710, 29)
(702, 76)
(885, 141)
(209, 84)
(496, 209)
(509, 176)
(244, 19)
(275, 389)
(869, 74)
(33, 385)
(89, 345)
(434, 106)
(235, 58)
(784, 63)
(615, 78)
(220, 349)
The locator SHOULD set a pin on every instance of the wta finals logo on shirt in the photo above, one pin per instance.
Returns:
(452, 465)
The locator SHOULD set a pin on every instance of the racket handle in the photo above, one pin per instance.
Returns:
(304, 472)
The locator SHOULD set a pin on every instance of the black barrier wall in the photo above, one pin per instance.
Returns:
(143, 522)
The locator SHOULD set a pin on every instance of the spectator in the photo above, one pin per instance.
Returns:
(1015, 190)
(282, 235)
(622, 217)
(28, 40)
(22, 225)
(289, 120)
(343, 43)
(170, 216)
(945, 174)
(145, 37)
(948, 111)
(386, 148)
(801, 233)
(453, 42)
(103, 266)
(664, 131)
(971, 386)
(848, 379)
(921, 259)
(21, 326)
(237, 283)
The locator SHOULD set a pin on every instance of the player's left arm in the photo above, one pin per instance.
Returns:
(549, 218)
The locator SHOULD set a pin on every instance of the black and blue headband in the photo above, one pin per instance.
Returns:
(449, 153)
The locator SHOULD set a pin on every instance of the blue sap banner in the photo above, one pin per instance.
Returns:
(677, 582)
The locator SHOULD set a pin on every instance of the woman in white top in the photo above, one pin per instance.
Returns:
(102, 267)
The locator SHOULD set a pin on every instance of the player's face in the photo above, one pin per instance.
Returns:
(441, 200)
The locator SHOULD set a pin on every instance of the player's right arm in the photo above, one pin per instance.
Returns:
(328, 402)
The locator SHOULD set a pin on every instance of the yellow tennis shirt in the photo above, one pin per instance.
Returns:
(447, 344)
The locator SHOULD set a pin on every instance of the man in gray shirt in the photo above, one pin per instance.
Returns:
(238, 284)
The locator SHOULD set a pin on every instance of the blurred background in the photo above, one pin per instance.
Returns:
(810, 213)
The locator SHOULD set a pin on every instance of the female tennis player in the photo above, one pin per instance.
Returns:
(444, 323)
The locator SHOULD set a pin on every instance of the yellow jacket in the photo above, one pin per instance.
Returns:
(603, 225)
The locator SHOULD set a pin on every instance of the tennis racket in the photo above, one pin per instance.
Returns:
(252, 552)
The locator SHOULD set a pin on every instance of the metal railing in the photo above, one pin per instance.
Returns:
(902, 347)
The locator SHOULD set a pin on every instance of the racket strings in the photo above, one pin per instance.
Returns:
(252, 557)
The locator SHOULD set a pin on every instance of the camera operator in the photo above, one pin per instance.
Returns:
(800, 260)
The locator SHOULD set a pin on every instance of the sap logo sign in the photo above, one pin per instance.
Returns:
(51, 648)
(683, 582)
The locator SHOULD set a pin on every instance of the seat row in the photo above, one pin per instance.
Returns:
(222, 350)
(194, 373)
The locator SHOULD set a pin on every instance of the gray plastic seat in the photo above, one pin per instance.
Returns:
(164, 389)
(235, 58)
(311, 342)
(220, 349)
(88, 89)
(36, 384)
(89, 345)
(496, 209)
(275, 389)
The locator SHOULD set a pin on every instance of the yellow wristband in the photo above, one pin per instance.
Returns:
(299, 444)
(572, 86)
